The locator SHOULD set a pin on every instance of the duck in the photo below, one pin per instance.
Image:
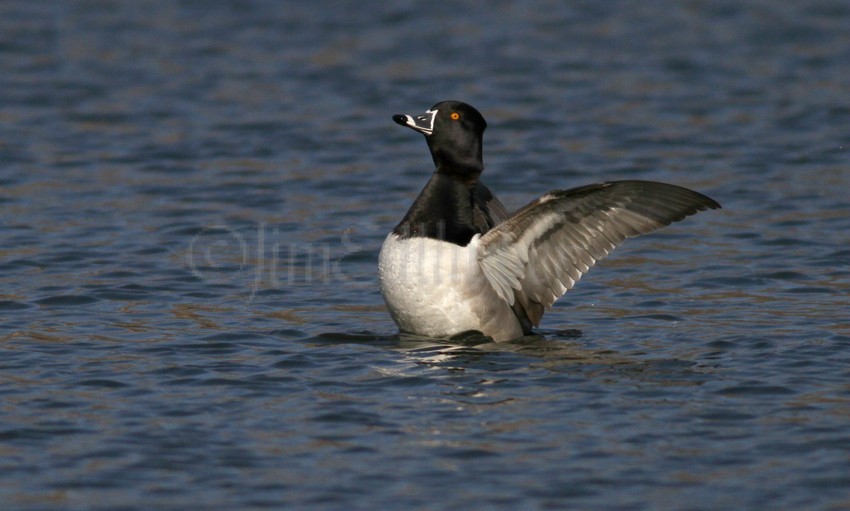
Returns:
(458, 261)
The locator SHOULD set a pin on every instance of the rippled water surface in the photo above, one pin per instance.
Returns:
(194, 195)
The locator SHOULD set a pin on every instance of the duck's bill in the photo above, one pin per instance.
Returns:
(422, 123)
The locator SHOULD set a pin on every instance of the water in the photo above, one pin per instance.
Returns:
(194, 195)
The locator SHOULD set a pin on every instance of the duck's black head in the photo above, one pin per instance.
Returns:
(454, 132)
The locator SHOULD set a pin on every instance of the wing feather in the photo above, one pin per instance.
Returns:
(541, 251)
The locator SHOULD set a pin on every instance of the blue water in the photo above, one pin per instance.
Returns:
(194, 194)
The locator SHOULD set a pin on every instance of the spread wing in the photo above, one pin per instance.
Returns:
(542, 250)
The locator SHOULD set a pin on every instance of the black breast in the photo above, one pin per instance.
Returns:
(449, 210)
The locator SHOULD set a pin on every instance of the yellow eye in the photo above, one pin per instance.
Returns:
(455, 116)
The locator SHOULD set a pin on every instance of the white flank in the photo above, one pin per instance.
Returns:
(437, 289)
